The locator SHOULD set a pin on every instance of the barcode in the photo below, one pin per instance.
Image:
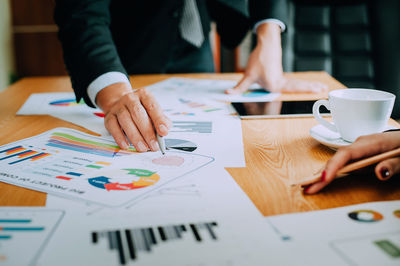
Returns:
(128, 242)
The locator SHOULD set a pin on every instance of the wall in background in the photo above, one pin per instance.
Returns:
(6, 45)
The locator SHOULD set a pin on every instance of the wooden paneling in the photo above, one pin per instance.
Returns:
(38, 54)
(32, 12)
(37, 49)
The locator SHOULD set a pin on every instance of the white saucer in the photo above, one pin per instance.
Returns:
(330, 138)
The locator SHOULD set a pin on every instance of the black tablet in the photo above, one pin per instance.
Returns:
(248, 110)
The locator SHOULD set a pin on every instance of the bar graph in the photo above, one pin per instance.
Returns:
(192, 126)
(18, 154)
(204, 107)
(129, 242)
(78, 144)
(27, 230)
(66, 102)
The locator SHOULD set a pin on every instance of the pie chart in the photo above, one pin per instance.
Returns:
(180, 144)
(366, 216)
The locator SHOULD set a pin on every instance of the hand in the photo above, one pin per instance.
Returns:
(132, 116)
(265, 66)
(364, 146)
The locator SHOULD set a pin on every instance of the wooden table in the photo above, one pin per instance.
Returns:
(277, 151)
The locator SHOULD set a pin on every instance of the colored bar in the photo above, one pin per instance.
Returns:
(27, 154)
(15, 220)
(72, 143)
(13, 150)
(73, 173)
(27, 158)
(94, 166)
(103, 163)
(17, 154)
(5, 237)
(389, 248)
(40, 156)
(64, 177)
(63, 101)
(21, 228)
(95, 145)
(70, 137)
(72, 147)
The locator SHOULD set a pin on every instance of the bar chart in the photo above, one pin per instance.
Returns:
(27, 230)
(192, 126)
(129, 242)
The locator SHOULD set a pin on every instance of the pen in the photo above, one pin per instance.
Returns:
(353, 166)
(161, 143)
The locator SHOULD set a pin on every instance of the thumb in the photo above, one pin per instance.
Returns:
(242, 85)
(387, 168)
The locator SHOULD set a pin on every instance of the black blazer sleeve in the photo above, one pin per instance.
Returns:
(88, 47)
(264, 9)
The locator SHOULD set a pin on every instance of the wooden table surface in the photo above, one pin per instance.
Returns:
(277, 151)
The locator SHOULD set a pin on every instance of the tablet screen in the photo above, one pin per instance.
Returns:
(276, 108)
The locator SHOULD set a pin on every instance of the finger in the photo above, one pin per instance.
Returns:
(160, 121)
(387, 168)
(112, 126)
(314, 188)
(242, 86)
(131, 131)
(142, 121)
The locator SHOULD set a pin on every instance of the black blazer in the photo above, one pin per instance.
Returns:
(137, 36)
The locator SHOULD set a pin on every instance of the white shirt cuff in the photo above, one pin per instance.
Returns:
(270, 20)
(103, 81)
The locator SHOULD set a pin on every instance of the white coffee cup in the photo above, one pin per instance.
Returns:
(356, 112)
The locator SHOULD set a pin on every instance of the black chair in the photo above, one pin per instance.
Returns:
(357, 42)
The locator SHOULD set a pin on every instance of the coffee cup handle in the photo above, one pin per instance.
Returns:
(318, 116)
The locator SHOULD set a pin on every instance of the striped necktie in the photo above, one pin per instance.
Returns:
(190, 24)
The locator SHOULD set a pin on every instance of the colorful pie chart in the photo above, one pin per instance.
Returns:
(365, 216)
(140, 178)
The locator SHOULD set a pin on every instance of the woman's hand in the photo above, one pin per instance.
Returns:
(364, 146)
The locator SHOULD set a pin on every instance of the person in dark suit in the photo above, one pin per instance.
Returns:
(106, 40)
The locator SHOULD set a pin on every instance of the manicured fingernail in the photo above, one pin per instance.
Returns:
(323, 176)
(141, 146)
(385, 173)
(163, 128)
(154, 145)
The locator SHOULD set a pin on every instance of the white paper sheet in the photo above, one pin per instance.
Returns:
(210, 89)
(231, 229)
(25, 232)
(364, 234)
(80, 166)
(215, 135)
